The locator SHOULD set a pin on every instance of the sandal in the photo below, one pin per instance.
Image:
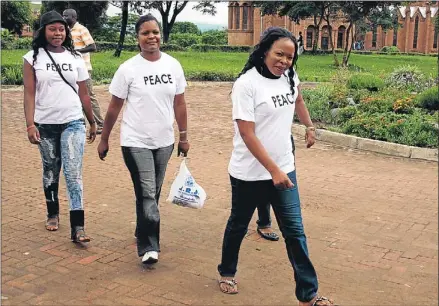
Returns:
(52, 223)
(78, 235)
(269, 236)
(323, 301)
(231, 286)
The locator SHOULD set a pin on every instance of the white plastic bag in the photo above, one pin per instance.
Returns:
(185, 191)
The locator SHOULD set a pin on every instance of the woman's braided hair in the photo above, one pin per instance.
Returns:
(256, 58)
(40, 41)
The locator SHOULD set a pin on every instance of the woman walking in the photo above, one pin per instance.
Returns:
(261, 167)
(55, 93)
(153, 85)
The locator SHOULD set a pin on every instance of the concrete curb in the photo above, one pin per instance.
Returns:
(377, 146)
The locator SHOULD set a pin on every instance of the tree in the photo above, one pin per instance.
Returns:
(15, 14)
(110, 30)
(123, 28)
(185, 27)
(297, 11)
(90, 13)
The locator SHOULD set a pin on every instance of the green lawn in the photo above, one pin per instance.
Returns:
(225, 66)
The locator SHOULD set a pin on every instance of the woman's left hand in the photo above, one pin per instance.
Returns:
(183, 148)
(91, 133)
(310, 137)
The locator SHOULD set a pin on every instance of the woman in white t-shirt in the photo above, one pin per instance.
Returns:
(54, 118)
(153, 85)
(262, 168)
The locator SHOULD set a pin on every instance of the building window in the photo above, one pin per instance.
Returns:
(237, 16)
(435, 38)
(395, 37)
(309, 36)
(374, 37)
(245, 13)
(340, 36)
(415, 33)
(325, 38)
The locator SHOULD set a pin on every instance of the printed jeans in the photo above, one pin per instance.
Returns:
(62, 144)
(246, 196)
(147, 168)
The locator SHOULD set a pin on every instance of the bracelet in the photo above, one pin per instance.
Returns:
(183, 141)
(91, 122)
(183, 132)
(29, 127)
(310, 128)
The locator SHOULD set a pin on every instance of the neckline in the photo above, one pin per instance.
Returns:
(265, 72)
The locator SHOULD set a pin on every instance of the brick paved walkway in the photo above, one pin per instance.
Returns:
(371, 222)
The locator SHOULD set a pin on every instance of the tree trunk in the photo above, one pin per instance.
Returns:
(123, 28)
(331, 41)
(348, 46)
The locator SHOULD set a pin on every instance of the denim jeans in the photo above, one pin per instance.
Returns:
(264, 218)
(147, 168)
(246, 196)
(62, 144)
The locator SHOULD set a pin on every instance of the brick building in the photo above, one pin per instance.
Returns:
(416, 33)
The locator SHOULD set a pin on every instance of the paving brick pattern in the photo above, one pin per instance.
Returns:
(371, 222)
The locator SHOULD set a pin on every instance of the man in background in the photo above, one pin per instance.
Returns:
(84, 44)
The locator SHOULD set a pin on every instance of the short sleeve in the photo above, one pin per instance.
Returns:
(28, 57)
(119, 85)
(86, 37)
(82, 70)
(180, 79)
(243, 101)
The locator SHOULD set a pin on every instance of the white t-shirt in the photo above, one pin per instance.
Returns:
(149, 89)
(55, 101)
(270, 104)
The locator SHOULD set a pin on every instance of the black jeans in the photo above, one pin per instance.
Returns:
(246, 196)
(264, 218)
(147, 168)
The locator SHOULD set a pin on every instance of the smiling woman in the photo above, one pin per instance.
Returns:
(153, 84)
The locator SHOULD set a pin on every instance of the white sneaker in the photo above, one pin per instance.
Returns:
(150, 257)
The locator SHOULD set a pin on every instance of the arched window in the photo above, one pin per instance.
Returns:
(435, 38)
(374, 37)
(237, 16)
(325, 38)
(341, 36)
(309, 36)
(245, 16)
(415, 33)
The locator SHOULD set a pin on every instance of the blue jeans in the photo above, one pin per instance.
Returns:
(147, 168)
(62, 144)
(264, 218)
(246, 196)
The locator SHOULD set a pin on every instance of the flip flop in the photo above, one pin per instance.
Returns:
(269, 236)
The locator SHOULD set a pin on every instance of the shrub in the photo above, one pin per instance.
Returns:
(214, 38)
(429, 99)
(11, 74)
(23, 43)
(346, 113)
(221, 48)
(376, 104)
(390, 49)
(111, 46)
(317, 103)
(407, 78)
(404, 106)
(415, 130)
(185, 39)
(365, 81)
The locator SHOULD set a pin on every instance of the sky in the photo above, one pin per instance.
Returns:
(188, 14)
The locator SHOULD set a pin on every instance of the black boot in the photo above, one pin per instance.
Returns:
(77, 225)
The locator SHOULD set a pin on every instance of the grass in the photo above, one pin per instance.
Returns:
(225, 66)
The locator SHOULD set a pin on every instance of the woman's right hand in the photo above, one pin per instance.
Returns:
(103, 148)
(33, 135)
(281, 179)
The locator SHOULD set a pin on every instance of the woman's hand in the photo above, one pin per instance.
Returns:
(103, 148)
(281, 179)
(310, 136)
(91, 133)
(33, 135)
(183, 148)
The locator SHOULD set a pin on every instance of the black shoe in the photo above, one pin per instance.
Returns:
(269, 236)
